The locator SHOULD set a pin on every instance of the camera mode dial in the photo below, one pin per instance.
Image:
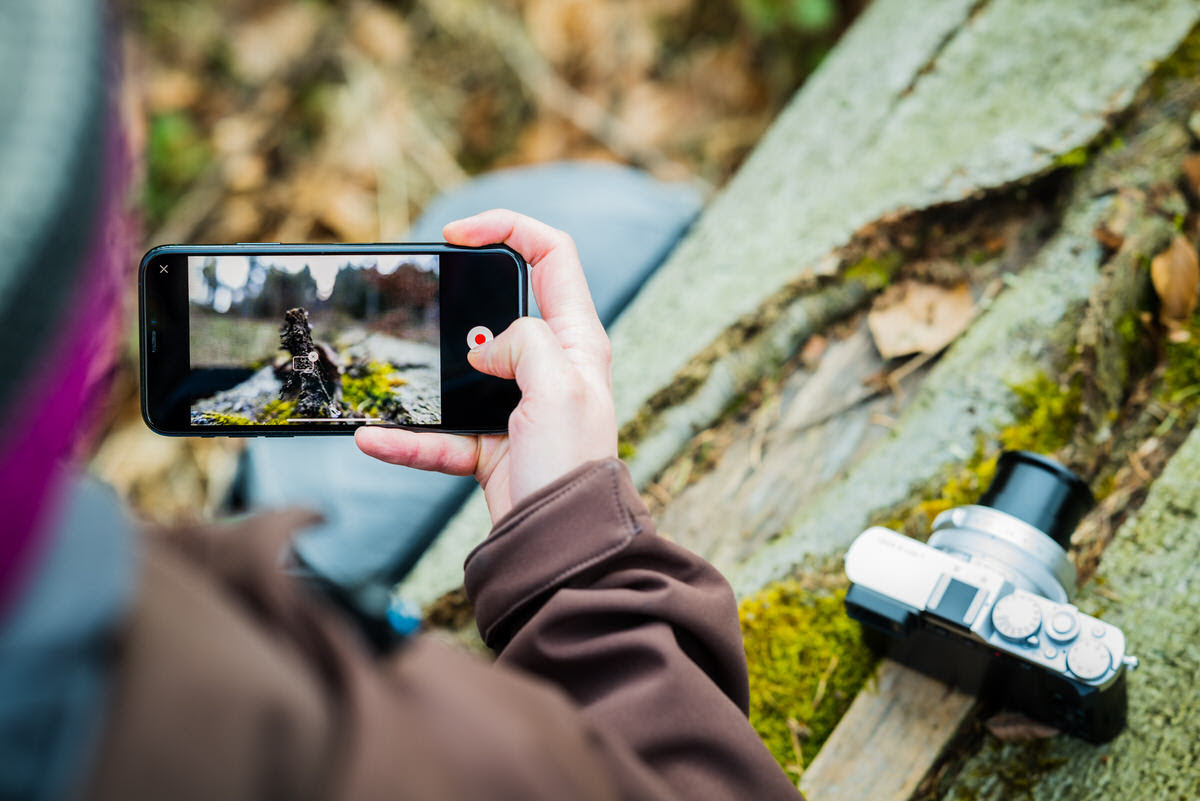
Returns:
(1016, 616)
(1089, 659)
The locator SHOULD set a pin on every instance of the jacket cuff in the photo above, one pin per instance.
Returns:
(581, 519)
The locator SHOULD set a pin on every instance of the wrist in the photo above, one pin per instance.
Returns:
(572, 524)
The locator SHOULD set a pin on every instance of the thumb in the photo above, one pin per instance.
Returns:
(527, 351)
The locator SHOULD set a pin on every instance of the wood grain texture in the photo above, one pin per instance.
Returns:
(892, 734)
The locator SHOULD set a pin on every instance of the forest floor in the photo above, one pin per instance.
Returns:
(339, 120)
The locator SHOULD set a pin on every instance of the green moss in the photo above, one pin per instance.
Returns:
(370, 388)
(278, 411)
(1104, 486)
(875, 273)
(776, 16)
(176, 154)
(632, 432)
(1184, 63)
(1181, 376)
(222, 419)
(1046, 418)
(626, 449)
(1048, 415)
(807, 661)
(1129, 328)
(1076, 157)
(679, 390)
(961, 483)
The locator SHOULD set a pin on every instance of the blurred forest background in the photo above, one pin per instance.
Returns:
(339, 120)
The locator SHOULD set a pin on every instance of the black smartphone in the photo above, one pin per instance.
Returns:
(280, 340)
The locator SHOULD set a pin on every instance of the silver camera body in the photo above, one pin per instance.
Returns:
(985, 604)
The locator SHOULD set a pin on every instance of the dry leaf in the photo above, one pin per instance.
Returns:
(1015, 727)
(381, 33)
(1191, 173)
(1176, 276)
(655, 113)
(265, 45)
(172, 89)
(813, 350)
(1111, 230)
(722, 72)
(1108, 238)
(919, 318)
(244, 172)
(546, 138)
(238, 133)
(350, 213)
(606, 44)
(240, 219)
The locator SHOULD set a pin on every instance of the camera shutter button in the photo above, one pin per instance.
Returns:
(1089, 659)
(1063, 626)
(1016, 617)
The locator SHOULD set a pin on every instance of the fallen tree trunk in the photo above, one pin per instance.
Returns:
(911, 111)
(1035, 153)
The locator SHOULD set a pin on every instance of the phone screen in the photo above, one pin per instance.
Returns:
(320, 339)
(316, 339)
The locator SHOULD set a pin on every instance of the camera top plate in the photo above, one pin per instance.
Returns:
(973, 599)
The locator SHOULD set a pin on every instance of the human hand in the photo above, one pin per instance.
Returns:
(562, 363)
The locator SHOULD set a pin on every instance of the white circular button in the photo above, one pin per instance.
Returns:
(1089, 659)
(1063, 626)
(479, 335)
(1016, 616)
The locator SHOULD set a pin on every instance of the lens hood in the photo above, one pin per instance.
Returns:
(1040, 492)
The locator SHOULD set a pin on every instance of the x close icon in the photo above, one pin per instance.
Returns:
(162, 269)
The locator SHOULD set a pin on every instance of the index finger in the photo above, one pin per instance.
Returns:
(558, 281)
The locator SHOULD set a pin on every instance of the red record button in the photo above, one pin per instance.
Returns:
(479, 335)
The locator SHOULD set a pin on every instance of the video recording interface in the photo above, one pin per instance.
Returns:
(327, 339)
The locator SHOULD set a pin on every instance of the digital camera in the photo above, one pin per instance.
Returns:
(985, 604)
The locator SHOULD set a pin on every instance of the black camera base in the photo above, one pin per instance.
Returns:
(998, 679)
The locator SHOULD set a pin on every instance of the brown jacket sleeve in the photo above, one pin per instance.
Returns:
(230, 681)
(574, 586)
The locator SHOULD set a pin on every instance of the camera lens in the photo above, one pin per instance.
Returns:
(1041, 492)
(1022, 525)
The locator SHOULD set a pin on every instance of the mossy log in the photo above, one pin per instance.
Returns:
(913, 110)
(1086, 403)
(1147, 584)
(930, 135)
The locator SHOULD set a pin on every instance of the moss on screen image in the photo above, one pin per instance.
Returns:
(314, 338)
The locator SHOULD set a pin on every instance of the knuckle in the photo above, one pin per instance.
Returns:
(576, 392)
(528, 327)
(561, 237)
(604, 350)
(554, 239)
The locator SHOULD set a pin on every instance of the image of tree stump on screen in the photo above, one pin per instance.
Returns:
(284, 340)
